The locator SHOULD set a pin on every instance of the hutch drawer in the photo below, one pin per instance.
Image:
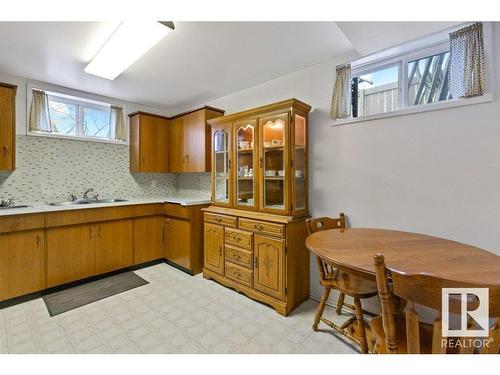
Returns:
(263, 227)
(239, 274)
(228, 221)
(239, 238)
(239, 256)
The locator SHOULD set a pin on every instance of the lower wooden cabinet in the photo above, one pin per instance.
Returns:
(114, 245)
(22, 259)
(269, 266)
(70, 253)
(149, 238)
(214, 248)
(261, 255)
(178, 241)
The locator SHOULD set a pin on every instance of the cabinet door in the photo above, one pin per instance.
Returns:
(149, 239)
(221, 165)
(153, 134)
(214, 248)
(70, 253)
(22, 263)
(178, 242)
(195, 130)
(7, 128)
(274, 163)
(299, 165)
(177, 147)
(114, 246)
(246, 163)
(269, 265)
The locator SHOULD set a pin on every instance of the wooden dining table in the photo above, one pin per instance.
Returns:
(352, 251)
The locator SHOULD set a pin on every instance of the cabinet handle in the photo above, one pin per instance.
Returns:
(4, 151)
(218, 219)
(187, 158)
(37, 240)
(163, 234)
(261, 162)
(99, 232)
(237, 274)
(258, 226)
(229, 164)
(90, 232)
(236, 256)
(220, 251)
(255, 262)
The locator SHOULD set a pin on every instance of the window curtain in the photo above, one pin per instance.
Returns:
(39, 112)
(118, 123)
(341, 100)
(467, 62)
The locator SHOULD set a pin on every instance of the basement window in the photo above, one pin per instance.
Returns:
(75, 117)
(410, 78)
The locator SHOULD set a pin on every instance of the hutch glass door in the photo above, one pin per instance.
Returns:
(222, 164)
(245, 134)
(299, 163)
(274, 162)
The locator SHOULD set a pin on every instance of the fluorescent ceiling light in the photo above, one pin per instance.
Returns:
(128, 42)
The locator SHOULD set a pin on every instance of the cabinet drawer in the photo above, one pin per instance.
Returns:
(239, 256)
(228, 221)
(239, 238)
(239, 274)
(262, 227)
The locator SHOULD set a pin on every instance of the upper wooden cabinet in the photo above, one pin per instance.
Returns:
(171, 144)
(148, 143)
(7, 127)
(190, 135)
(259, 159)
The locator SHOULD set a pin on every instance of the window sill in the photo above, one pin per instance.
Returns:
(73, 138)
(488, 97)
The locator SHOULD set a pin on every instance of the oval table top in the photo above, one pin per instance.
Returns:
(352, 250)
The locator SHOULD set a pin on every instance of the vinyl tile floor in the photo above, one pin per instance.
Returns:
(175, 313)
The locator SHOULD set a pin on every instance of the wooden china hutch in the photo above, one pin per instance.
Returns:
(254, 231)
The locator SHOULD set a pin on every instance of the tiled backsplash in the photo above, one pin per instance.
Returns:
(51, 168)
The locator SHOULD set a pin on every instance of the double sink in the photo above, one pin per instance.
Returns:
(86, 201)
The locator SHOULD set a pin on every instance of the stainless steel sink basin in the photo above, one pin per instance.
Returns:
(86, 201)
(111, 200)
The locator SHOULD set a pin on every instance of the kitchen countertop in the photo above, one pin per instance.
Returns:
(39, 207)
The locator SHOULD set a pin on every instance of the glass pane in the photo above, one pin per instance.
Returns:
(428, 79)
(63, 117)
(375, 92)
(245, 136)
(300, 163)
(96, 122)
(221, 166)
(274, 164)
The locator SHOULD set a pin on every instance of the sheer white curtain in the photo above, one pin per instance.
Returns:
(39, 112)
(118, 123)
(467, 62)
(341, 100)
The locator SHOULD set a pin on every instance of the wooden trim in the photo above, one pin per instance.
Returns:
(176, 115)
(285, 104)
(9, 85)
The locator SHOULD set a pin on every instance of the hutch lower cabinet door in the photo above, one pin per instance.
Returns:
(214, 248)
(269, 265)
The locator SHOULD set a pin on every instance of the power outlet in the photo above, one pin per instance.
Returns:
(153, 184)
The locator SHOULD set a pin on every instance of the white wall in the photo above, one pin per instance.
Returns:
(436, 172)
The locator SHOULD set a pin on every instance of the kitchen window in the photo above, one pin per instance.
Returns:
(68, 116)
(409, 78)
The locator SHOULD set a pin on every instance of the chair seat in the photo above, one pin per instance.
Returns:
(351, 285)
(379, 335)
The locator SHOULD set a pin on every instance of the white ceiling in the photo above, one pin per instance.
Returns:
(198, 62)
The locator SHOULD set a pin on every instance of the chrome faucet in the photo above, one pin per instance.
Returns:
(86, 194)
(6, 203)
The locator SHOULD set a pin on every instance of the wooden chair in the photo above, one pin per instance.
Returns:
(405, 334)
(346, 284)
